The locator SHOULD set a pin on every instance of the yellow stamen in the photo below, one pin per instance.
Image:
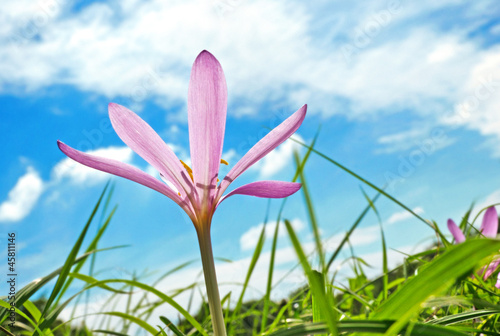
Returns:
(188, 169)
(179, 193)
(222, 161)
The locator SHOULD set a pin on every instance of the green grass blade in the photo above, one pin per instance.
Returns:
(160, 295)
(33, 310)
(253, 262)
(267, 296)
(20, 313)
(99, 233)
(6, 331)
(306, 156)
(108, 332)
(462, 317)
(143, 324)
(349, 233)
(317, 312)
(465, 220)
(171, 326)
(33, 287)
(269, 284)
(92, 246)
(316, 287)
(70, 260)
(54, 313)
(381, 191)
(385, 268)
(311, 214)
(365, 326)
(437, 276)
(90, 280)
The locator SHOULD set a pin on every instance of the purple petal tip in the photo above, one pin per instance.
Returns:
(455, 231)
(489, 227)
(61, 145)
(205, 53)
(207, 59)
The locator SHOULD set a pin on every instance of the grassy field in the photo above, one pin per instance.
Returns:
(434, 292)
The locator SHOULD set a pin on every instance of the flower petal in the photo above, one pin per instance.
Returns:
(143, 140)
(456, 232)
(207, 105)
(489, 227)
(267, 189)
(497, 285)
(491, 268)
(124, 170)
(272, 140)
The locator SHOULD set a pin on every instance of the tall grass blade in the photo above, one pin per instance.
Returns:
(99, 233)
(20, 313)
(253, 262)
(171, 326)
(465, 220)
(349, 233)
(269, 284)
(30, 289)
(317, 312)
(71, 258)
(311, 214)
(315, 285)
(462, 317)
(143, 324)
(437, 276)
(108, 332)
(385, 268)
(164, 297)
(6, 331)
(381, 191)
(365, 326)
(33, 310)
(92, 246)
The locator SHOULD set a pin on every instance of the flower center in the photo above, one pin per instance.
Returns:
(190, 171)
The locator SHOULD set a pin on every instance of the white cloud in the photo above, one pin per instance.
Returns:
(421, 138)
(442, 53)
(22, 198)
(403, 215)
(249, 239)
(80, 174)
(479, 104)
(270, 52)
(279, 158)
(401, 141)
(230, 155)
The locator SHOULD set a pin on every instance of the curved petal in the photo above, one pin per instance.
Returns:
(489, 227)
(124, 170)
(143, 140)
(456, 232)
(267, 189)
(497, 285)
(207, 104)
(272, 140)
(491, 268)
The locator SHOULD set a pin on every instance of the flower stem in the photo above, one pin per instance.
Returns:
(214, 303)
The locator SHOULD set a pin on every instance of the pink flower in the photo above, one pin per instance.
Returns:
(489, 228)
(197, 191)
(199, 194)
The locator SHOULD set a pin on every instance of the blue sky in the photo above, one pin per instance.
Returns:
(406, 93)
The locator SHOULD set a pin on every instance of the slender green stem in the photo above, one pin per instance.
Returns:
(214, 304)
